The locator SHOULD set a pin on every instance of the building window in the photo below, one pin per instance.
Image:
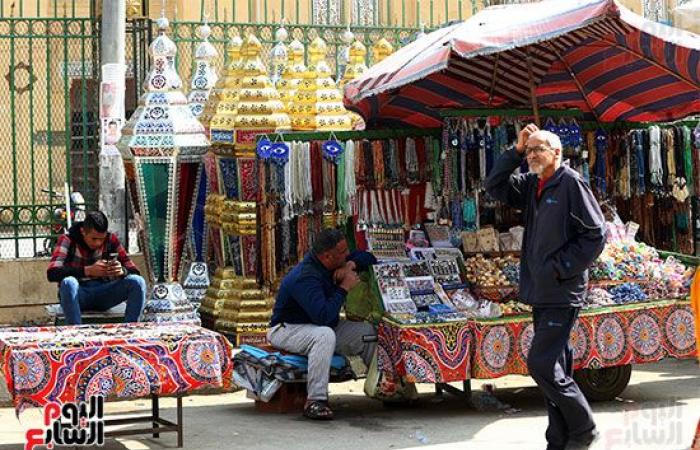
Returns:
(327, 12)
(656, 10)
(331, 12)
(364, 12)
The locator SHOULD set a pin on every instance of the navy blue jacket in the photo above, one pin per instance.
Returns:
(564, 231)
(308, 293)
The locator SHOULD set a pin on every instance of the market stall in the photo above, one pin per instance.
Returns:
(548, 63)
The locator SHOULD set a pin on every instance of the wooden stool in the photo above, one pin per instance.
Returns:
(113, 315)
(290, 398)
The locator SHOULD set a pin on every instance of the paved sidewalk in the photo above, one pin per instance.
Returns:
(659, 411)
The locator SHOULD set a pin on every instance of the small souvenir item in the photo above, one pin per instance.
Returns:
(422, 254)
(264, 148)
(416, 269)
(332, 150)
(445, 271)
(439, 235)
(279, 152)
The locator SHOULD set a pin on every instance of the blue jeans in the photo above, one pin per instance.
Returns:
(98, 295)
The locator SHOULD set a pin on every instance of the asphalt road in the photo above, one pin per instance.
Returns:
(658, 410)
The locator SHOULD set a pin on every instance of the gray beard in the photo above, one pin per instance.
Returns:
(536, 169)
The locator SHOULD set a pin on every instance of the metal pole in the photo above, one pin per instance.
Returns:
(112, 185)
(533, 94)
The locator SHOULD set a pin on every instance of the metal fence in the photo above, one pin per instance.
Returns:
(47, 8)
(48, 99)
(49, 85)
(185, 36)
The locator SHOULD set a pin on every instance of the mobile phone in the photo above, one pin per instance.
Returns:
(112, 256)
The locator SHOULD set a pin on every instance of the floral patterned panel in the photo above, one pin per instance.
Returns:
(69, 364)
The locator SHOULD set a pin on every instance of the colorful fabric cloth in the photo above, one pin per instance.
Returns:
(262, 372)
(615, 336)
(69, 364)
(425, 354)
(492, 348)
(695, 301)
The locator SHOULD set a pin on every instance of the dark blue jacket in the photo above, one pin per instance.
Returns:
(308, 293)
(564, 231)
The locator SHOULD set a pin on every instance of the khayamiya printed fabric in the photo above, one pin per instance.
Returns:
(428, 354)
(632, 334)
(69, 364)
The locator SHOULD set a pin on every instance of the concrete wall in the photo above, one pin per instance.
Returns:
(25, 290)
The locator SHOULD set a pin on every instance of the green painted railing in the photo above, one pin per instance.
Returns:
(49, 91)
(185, 36)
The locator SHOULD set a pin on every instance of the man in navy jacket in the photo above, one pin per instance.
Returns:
(306, 316)
(564, 234)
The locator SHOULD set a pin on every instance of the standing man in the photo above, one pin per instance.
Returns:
(94, 272)
(564, 234)
(306, 316)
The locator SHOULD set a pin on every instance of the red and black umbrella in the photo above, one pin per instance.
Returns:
(593, 55)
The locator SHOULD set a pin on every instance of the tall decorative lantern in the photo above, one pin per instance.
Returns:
(380, 50)
(356, 67)
(318, 103)
(259, 107)
(292, 75)
(204, 78)
(221, 168)
(162, 146)
(278, 55)
(219, 119)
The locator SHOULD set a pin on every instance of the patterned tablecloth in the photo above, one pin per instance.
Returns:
(605, 337)
(69, 364)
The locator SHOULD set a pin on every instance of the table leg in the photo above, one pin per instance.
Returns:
(438, 389)
(467, 389)
(179, 422)
(155, 413)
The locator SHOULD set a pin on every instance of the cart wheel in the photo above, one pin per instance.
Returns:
(603, 384)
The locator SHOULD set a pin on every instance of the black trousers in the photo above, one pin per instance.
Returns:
(551, 365)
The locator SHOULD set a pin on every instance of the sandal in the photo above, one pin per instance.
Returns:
(318, 410)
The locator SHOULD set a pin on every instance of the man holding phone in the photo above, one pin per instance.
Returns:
(94, 271)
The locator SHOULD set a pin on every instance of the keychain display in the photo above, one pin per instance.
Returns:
(449, 252)
(422, 254)
(445, 271)
(401, 307)
(392, 282)
(417, 269)
(387, 243)
(420, 283)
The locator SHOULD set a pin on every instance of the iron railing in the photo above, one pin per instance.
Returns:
(48, 95)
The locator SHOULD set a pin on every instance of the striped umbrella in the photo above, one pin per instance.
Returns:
(593, 55)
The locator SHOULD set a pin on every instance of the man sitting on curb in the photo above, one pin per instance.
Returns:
(306, 316)
(94, 272)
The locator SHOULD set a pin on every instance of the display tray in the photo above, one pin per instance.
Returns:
(528, 316)
(496, 294)
(495, 254)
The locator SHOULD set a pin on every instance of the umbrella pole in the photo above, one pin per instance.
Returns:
(533, 96)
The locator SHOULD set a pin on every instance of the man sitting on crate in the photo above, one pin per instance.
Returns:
(306, 316)
(94, 272)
